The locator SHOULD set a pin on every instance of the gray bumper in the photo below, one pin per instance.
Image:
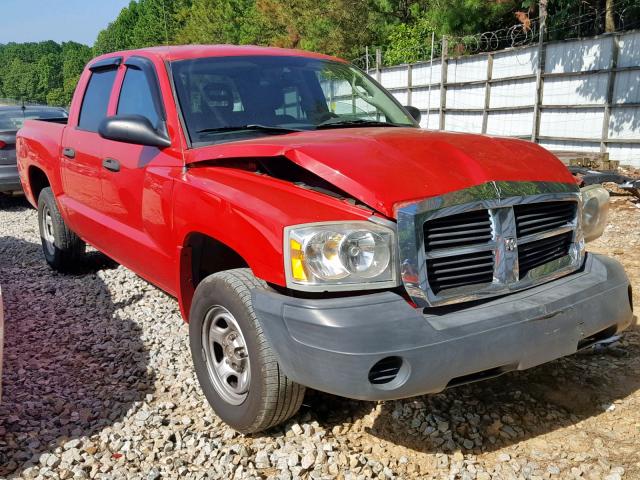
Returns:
(9, 179)
(332, 344)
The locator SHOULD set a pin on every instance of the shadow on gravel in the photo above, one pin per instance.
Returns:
(72, 364)
(14, 203)
(489, 415)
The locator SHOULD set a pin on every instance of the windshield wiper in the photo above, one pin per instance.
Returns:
(261, 128)
(354, 122)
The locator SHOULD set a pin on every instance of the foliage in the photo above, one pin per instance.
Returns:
(142, 24)
(571, 18)
(44, 72)
(218, 21)
(48, 72)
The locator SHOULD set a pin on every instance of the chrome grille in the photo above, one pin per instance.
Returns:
(489, 240)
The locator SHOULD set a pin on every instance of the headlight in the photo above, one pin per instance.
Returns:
(595, 209)
(340, 256)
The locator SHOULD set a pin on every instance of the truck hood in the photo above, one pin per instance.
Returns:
(382, 167)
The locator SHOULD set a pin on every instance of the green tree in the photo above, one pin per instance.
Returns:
(336, 27)
(218, 21)
(143, 23)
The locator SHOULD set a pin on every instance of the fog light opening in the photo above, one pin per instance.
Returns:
(389, 373)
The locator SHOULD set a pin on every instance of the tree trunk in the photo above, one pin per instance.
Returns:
(609, 20)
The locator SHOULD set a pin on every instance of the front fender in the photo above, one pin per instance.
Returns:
(248, 212)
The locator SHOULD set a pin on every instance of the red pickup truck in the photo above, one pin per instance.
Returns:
(313, 234)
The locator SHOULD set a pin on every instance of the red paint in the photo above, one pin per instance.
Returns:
(143, 215)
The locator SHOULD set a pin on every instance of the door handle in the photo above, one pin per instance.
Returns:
(69, 152)
(111, 164)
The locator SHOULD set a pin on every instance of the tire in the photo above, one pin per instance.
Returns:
(62, 248)
(268, 397)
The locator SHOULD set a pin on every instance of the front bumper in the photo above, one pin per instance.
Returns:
(9, 179)
(332, 344)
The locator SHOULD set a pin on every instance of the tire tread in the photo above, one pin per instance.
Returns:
(282, 397)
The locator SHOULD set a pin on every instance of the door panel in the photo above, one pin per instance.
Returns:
(81, 179)
(136, 184)
(81, 156)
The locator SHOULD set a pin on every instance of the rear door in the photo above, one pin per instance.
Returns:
(81, 155)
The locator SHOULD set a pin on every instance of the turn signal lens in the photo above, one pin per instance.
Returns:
(297, 258)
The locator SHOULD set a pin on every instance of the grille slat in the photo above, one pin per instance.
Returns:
(447, 227)
(462, 229)
(460, 270)
(540, 252)
(478, 266)
(542, 217)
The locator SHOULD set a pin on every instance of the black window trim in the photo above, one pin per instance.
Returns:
(102, 68)
(105, 64)
(146, 66)
(174, 92)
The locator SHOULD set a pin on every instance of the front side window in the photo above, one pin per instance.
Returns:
(96, 99)
(136, 97)
(235, 98)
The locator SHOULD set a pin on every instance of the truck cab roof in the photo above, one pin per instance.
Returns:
(187, 52)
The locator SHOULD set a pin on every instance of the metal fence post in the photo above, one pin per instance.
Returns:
(535, 130)
(611, 82)
(443, 82)
(366, 57)
(378, 64)
(487, 93)
(433, 36)
(409, 83)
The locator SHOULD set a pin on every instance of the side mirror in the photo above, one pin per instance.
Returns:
(414, 112)
(132, 129)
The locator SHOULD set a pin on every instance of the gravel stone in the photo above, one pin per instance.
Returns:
(98, 383)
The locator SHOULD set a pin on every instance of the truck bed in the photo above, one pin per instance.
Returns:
(42, 140)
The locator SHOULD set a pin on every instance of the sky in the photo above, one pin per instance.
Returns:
(59, 20)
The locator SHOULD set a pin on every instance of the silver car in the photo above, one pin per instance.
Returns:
(11, 120)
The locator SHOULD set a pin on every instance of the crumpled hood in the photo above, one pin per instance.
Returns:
(382, 167)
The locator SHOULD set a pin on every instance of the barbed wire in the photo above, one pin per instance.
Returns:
(517, 35)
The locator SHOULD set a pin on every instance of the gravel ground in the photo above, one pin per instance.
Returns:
(98, 383)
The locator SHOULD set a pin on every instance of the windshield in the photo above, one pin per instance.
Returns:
(232, 98)
(15, 118)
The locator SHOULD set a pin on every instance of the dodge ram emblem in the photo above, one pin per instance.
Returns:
(510, 244)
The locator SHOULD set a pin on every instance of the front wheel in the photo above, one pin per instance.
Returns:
(62, 248)
(235, 365)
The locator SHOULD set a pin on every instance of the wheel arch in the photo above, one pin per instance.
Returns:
(202, 255)
(38, 180)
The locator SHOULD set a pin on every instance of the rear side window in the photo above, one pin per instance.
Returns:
(96, 99)
(136, 97)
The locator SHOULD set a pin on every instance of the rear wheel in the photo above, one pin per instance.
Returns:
(235, 365)
(62, 248)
